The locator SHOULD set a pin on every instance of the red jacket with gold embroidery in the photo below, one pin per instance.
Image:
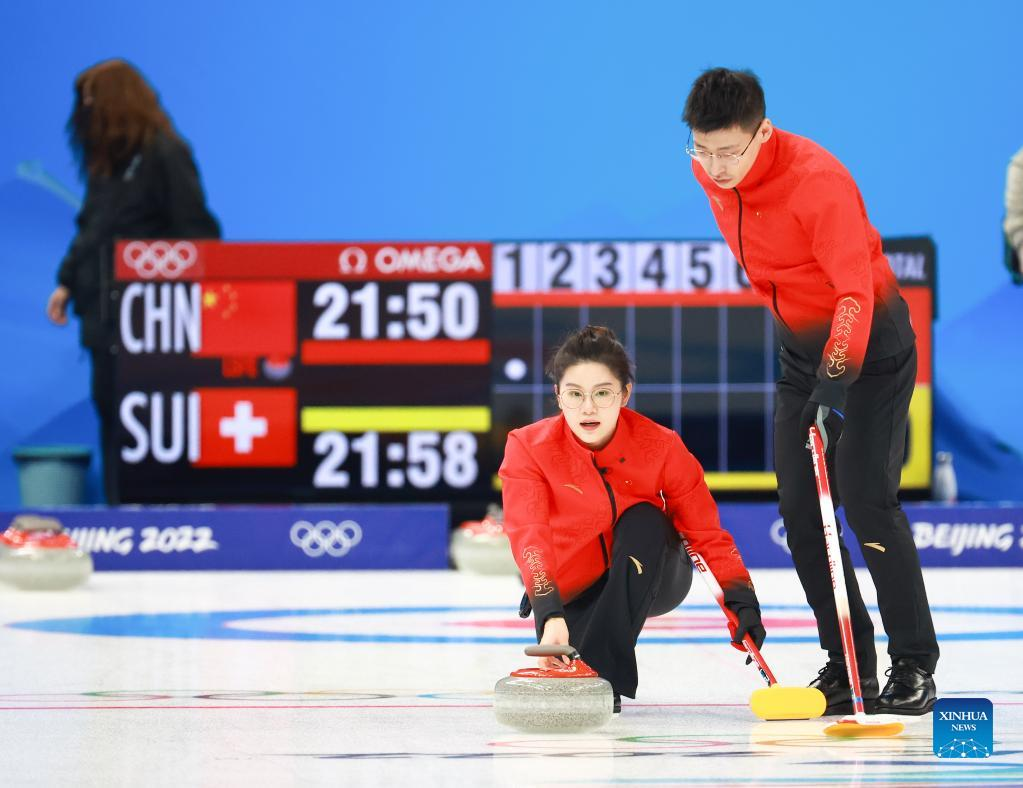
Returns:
(798, 226)
(561, 502)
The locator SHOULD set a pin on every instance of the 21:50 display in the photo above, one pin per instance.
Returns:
(424, 311)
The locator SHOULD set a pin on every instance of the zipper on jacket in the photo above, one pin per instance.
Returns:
(742, 262)
(742, 254)
(777, 311)
(614, 509)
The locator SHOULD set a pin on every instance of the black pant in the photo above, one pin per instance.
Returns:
(104, 398)
(649, 575)
(865, 478)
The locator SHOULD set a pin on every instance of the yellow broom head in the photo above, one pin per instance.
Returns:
(787, 703)
(851, 729)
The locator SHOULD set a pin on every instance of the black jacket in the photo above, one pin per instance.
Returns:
(158, 195)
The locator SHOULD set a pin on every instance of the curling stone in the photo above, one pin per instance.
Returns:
(571, 699)
(482, 547)
(37, 554)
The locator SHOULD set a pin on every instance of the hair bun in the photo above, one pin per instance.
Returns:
(598, 332)
(591, 343)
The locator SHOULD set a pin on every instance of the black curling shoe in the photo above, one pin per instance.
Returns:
(910, 689)
(833, 681)
(617, 708)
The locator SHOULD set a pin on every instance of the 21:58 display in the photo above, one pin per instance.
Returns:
(421, 459)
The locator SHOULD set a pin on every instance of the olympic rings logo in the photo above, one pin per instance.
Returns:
(778, 535)
(334, 539)
(160, 258)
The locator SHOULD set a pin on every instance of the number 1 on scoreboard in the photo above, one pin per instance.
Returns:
(515, 268)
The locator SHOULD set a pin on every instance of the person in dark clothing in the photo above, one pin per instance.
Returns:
(141, 182)
(595, 500)
(794, 218)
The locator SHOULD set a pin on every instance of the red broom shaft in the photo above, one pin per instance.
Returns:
(715, 589)
(831, 542)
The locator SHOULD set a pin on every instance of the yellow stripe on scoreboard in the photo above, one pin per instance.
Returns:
(741, 480)
(916, 471)
(396, 419)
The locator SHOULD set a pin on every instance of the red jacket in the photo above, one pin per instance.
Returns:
(560, 510)
(798, 226)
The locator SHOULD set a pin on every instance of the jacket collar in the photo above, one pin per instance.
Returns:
(765, 161)
(766, 157)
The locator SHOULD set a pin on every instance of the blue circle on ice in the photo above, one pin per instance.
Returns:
(231, 625)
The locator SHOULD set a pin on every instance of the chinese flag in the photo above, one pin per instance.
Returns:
(248, 319)
(247, 427)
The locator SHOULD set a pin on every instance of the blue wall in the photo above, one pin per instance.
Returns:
(327, 120)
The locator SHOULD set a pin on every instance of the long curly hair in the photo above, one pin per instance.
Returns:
(115, 115)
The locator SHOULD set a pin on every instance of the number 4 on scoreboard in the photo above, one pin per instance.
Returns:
(655, 267)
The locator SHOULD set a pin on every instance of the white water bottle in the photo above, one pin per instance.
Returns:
(944, 485)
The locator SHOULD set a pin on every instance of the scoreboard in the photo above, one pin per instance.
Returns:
(305, 372)
(705, 348)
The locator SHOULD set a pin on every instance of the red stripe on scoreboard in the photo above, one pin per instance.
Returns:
(919, 300)
(406, 351)
(576, 299)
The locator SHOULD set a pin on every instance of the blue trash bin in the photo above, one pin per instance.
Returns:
(52, 475)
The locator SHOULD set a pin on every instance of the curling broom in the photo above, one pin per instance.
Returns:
(858, 725)
(776, 702)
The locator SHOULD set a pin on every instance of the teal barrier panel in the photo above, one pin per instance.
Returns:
(52, 475)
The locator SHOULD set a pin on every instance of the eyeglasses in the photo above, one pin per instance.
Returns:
(602, 397)
(728, 158)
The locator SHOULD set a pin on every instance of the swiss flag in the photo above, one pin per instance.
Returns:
(247, 427)
(248, 319)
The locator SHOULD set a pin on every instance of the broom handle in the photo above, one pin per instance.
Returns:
(715, 589)
(820, 472)
(552, 651)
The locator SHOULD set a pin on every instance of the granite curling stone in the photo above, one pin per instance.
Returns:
(37, 554)
(482, 547)
(572, 699)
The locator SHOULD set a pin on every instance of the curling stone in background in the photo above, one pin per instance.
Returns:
(482, 546)
(571, 699)
(37, 554)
